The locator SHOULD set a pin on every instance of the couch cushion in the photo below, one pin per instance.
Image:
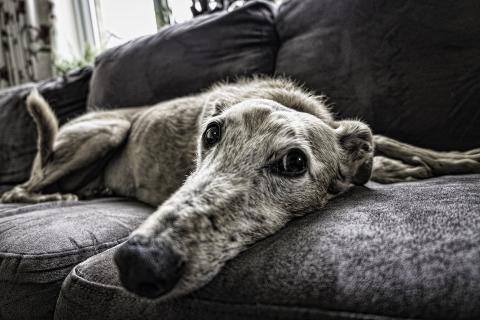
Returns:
(409, 250)
(67, 96)
(40, 244)
(185, 58)
(409, 68)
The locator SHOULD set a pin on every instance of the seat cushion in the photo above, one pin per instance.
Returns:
(395, 64)
(40, 244)
(408, 250)
(186, 58)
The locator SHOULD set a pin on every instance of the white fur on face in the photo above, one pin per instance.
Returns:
(232, 199)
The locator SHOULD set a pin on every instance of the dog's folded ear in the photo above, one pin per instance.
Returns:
(215, 103)
(356, 143)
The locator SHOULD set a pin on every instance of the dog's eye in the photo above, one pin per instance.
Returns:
(293, 164)
(212, 134)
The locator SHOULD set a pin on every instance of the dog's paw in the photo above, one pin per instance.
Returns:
(21, 195)
(68, 197)
(53, 197)
(15, 195)
(356, 140)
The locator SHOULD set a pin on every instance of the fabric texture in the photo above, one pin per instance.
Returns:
(409, 69)
(186, 58)
(40, 244)
(407, 250)
(410, 250)
(67, 97)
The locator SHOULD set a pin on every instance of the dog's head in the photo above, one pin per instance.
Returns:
(259, 164)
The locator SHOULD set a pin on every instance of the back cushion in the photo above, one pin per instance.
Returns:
(411, 69)
(186, 58)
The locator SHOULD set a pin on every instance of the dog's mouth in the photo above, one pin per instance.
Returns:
(148, 267)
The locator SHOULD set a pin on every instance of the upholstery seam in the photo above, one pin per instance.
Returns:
(56, 254)
(58, 204)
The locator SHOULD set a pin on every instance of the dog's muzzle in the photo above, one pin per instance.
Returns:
(148, 268)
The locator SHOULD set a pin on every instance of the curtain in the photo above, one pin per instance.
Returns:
(162, 13)
(26, 29)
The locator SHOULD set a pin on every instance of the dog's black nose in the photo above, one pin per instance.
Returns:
(148, 268)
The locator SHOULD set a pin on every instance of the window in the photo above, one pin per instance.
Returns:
(83, 26)
(180, 10)
(119, 21)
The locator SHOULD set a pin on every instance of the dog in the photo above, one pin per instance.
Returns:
(227, 168)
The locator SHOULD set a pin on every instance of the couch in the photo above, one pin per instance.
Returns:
(410, 69)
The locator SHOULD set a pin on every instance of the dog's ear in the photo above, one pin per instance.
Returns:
(356, 143)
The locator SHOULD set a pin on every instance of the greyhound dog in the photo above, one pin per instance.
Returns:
(227, 167)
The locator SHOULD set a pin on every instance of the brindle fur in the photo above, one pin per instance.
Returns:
(214, 203)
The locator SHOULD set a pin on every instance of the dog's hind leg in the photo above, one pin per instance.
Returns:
(76, 146)
(395, 161)
(387, 170)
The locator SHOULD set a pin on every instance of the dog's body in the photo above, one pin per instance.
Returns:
(256, 153)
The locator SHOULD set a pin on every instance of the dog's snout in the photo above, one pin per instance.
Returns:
(148, 268)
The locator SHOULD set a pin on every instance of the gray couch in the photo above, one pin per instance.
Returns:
(409, 250)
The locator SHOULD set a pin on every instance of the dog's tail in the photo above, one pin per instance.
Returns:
(46, 122)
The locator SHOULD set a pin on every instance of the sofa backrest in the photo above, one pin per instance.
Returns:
(411, 69)
(186, 58)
